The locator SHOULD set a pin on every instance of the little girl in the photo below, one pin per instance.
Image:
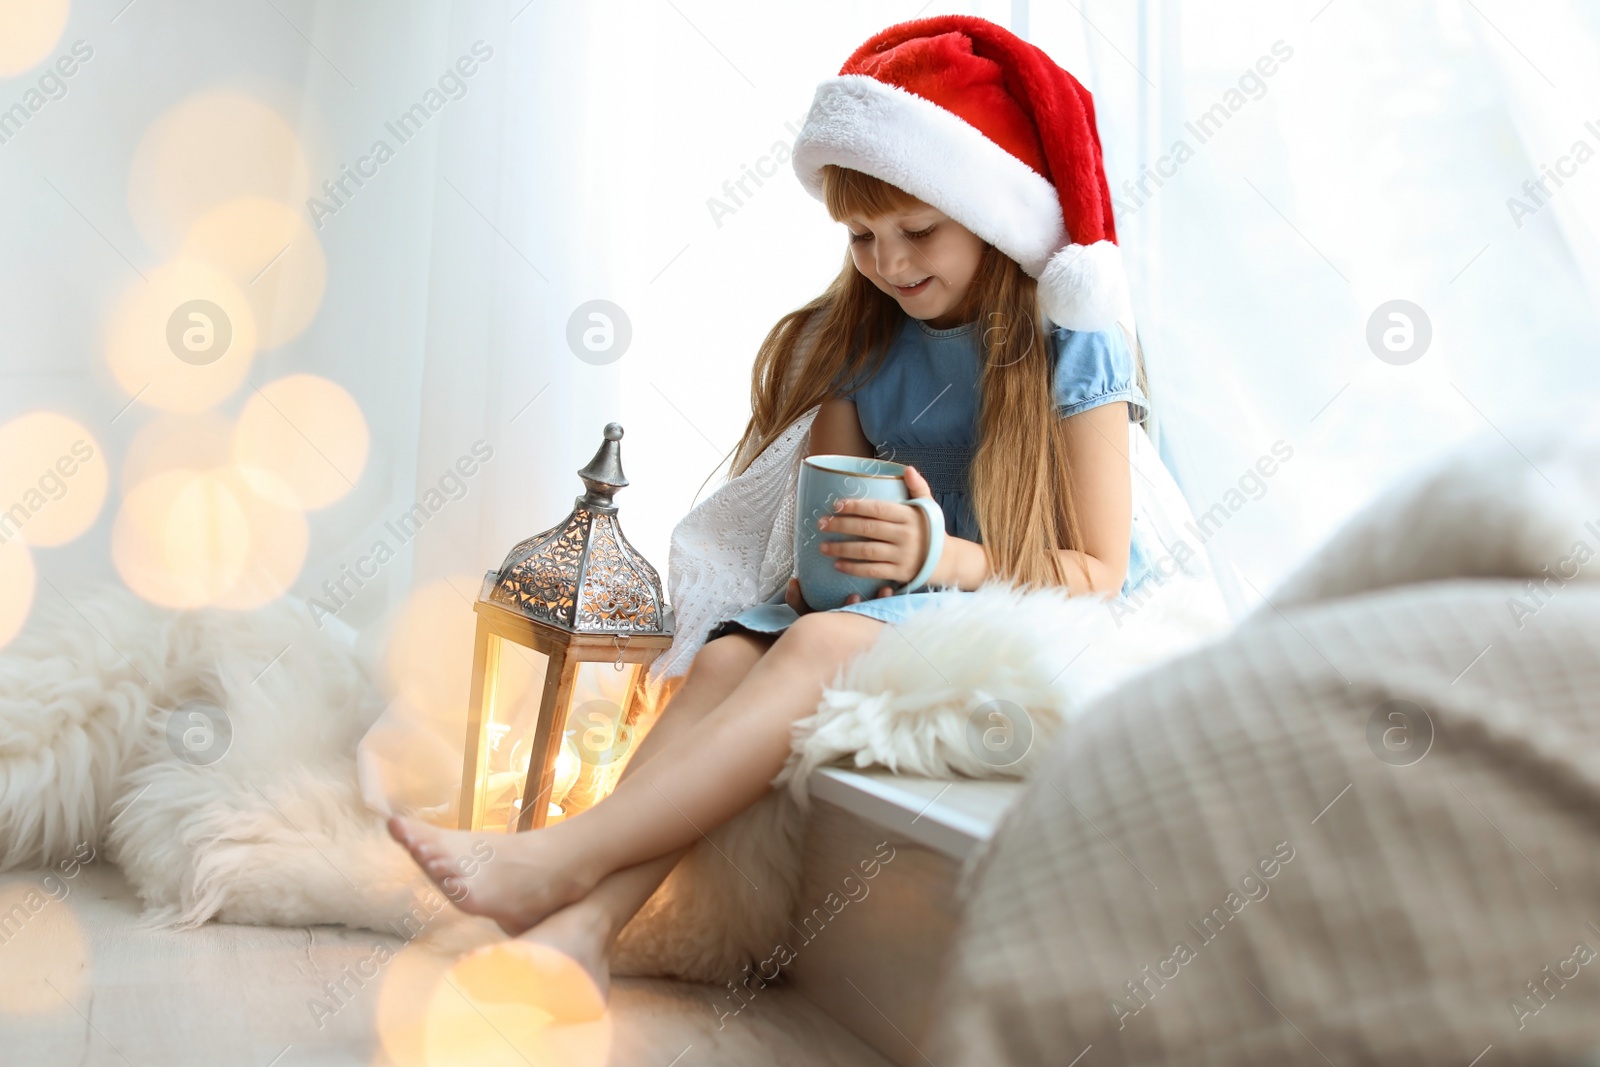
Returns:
(973, 335)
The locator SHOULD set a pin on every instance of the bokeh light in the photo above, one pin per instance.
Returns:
(516, 1002)
(181, 539)
(184, 339)
(17, 581)
(279, 538)
(400, 1017)
(53, 477)
(200, 441)
(427, 1005)
(44, 948)
(428, 655)
(215, 146)
(301, 442)
(271, 252)
(29, 30)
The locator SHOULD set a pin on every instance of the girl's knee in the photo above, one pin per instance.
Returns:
(829, 634)
(729, 656)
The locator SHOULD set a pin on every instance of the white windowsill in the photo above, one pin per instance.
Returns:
(950, 817)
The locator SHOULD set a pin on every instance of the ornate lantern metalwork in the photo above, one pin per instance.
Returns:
(583, 597)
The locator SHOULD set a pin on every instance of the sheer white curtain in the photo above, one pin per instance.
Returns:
(635, 152)
(1355, 153)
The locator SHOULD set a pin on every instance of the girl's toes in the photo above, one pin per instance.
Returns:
(402, 830)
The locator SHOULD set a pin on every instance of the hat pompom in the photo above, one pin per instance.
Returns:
(1083, 287)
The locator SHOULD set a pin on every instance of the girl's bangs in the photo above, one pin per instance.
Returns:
(849, 192)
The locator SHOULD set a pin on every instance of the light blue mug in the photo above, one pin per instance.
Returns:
(825, 479)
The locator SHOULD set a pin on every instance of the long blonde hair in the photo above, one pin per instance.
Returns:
(1018, 478)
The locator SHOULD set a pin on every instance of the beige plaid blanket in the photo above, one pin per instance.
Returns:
(1360, 831)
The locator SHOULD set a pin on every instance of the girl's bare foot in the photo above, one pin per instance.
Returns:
(515, 879)
(582, 933)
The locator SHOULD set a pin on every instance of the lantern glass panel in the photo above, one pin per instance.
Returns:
(599, 732)
(515, 677)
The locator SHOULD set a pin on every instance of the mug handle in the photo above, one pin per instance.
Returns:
(935, 516)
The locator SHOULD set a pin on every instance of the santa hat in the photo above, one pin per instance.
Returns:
(970, 118)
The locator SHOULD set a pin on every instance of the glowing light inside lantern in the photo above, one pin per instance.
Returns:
(569, 765)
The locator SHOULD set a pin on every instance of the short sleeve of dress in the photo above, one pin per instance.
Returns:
(848, 382)
(844, 386)
(1094, 367)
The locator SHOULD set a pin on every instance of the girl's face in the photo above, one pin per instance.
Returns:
(920, 256)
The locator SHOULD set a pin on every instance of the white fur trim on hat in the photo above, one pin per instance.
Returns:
(935, 155)
(1084, 287)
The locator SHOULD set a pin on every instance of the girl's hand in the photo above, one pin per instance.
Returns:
(792, 597)
(795, 600)
(896, 537)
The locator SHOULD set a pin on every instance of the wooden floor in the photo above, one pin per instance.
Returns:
(81, 983)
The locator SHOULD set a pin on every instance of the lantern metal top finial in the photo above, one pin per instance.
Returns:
(603, 476)
(582, 575)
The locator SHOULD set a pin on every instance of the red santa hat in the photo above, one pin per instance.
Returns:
(970, 118)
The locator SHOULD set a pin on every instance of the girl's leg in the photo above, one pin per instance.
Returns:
(695, 782)
(586, 930)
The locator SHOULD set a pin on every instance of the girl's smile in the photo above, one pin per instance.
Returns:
(920, 256)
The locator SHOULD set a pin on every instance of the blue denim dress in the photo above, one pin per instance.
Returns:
(921, 408)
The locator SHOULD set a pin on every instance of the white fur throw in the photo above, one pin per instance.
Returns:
(93, 698)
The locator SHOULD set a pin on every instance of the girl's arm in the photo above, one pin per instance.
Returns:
(836, 431)
(1101, 482)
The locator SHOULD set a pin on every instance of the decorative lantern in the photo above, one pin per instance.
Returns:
(583, 597)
